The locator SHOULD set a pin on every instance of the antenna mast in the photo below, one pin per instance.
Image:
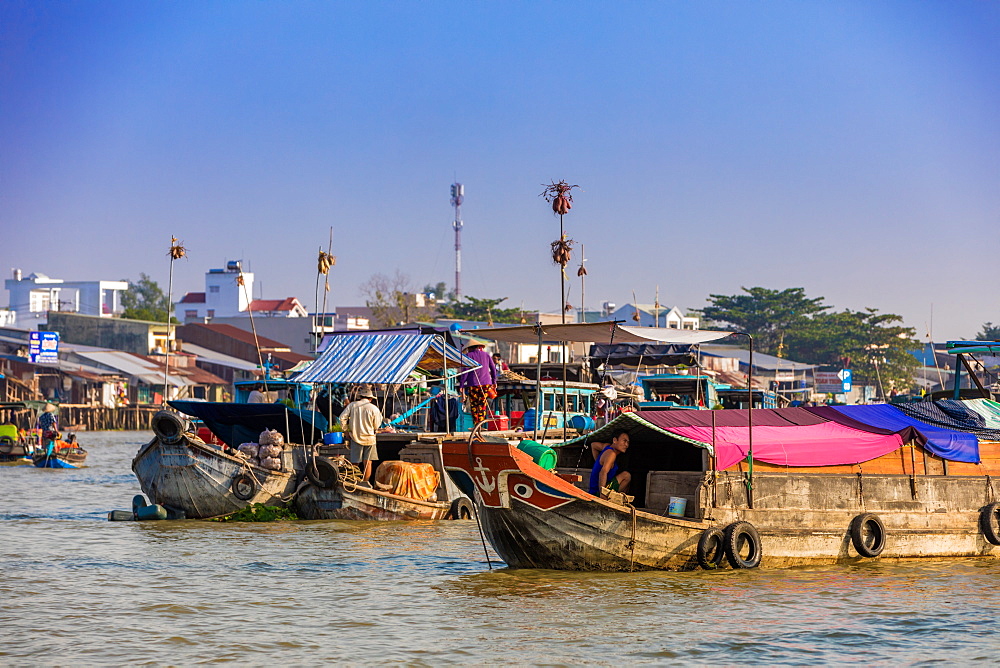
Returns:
(457, 195)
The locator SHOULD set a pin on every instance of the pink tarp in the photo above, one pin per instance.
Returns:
(826, 444)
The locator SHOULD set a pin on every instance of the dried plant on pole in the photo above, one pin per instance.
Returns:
(559, 195)
(176, 252)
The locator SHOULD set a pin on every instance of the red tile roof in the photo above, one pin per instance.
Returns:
(286, 304)
(193, 298)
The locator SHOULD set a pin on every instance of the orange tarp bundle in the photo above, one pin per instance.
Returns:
(415, 481)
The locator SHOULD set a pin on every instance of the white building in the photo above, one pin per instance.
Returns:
(224, 297)
(33, 297)
(651, 315)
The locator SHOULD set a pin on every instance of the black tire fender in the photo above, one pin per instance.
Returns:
(244, 487)
(168, 427)
(873, 545)
(737, 536)
(711, 548)
(461, 509)
(324, 474)
(989, 523)
(6, 445)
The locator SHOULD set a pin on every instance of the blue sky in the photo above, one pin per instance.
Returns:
(850, 148)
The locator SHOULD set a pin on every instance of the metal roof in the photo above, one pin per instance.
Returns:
(132, 365)
(760, 360)
(380, 358)
(206, 355)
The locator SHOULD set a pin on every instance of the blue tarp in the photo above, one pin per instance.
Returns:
(948, 444)
(242, 423)
(380, 358)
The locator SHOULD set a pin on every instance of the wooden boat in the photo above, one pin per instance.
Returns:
(179, 471)
(59, 455)
(905, 502)
(333, 491)
(15, 449)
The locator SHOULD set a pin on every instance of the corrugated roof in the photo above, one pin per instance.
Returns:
(213, 357)
(243, 335)
(760, 360)
(380, 358)
(135, 366)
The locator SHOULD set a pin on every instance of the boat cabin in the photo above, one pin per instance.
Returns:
(673, 391)
(277, 389)
(516, 402)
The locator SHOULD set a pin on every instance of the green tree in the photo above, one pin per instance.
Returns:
(439, 290)
(869, 342)
(144, 300)
(769, 316)
(473, 308)
(989, 333)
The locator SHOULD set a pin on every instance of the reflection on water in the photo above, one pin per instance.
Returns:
(422, 593)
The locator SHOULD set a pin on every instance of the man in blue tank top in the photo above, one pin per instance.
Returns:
(605, 473)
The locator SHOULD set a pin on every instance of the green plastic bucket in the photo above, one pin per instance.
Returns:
(543, 455)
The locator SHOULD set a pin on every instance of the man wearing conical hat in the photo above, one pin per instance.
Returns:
(360, 420)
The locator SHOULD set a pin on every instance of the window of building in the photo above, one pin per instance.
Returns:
(190, 313)
(211, 314)
(213, 288)
(39, 301)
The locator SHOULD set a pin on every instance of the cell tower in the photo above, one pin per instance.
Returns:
(457, 195)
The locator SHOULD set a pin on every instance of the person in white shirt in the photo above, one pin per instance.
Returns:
(256, 396)
(360, 420)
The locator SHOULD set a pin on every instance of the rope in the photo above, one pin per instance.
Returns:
(861, 490)
(475, 494)
(631, 544)
(482, 536)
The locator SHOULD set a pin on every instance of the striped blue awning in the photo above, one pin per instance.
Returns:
(381, 358)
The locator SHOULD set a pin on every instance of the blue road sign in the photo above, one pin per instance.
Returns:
(43, 347)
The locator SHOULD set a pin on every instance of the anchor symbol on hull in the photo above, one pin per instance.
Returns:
(487, 484)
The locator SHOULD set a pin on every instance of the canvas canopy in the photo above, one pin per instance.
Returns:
(596, 332)
(381, 358)
(634, 354)
(243, 423)
(799, 438)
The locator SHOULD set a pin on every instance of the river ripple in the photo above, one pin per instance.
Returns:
(79, 589)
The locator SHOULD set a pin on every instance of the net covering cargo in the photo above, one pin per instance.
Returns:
(414, 481)
(271, 463)
(269, 451)
(271, 437)
(249, 449)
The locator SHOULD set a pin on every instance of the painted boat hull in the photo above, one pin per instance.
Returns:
(197, 478)
(534, 518)
(68, 458)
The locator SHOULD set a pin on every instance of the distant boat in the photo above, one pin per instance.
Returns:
(59, 455)
(15, 449)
